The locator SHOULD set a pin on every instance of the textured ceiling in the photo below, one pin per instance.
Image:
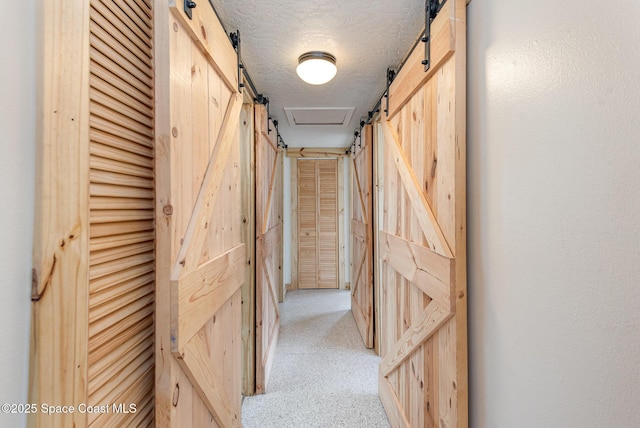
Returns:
(365, 36)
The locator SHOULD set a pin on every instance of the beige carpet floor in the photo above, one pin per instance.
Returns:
(322, 375)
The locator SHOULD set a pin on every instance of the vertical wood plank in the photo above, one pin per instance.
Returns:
(58, 359)
(247, 159)
(294, 222)
(341, 243)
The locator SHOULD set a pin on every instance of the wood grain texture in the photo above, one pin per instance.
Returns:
(361, 237)
(199, 220)
(317, 223)
(421, 235)
(210, 36)
(412, 75)
(204, 290)
(424, 214)
(247, 158)
(59, 342)
(427, 270)
(269, 246)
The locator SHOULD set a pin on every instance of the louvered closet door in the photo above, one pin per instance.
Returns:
(121, 274)
(318, 223)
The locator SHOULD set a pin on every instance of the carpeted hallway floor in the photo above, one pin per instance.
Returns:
(322, 376)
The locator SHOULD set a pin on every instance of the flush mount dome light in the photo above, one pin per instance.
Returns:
(316, 67)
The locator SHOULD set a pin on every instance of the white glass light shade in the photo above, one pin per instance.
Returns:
(316, 68)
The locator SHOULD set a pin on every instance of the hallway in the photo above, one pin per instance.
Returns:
(322, 376)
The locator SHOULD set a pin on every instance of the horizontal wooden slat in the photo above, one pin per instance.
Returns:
(111, 191)
(412, 76)
(139, 289)
(138, 392)
(120, 252)
(104, 343)
(108, 242)
(428, 271)
(142, 8)
(120, 36)
(97, 367)
(106, 177)
(141, 145)
(124, 24)
(109, 46)
(109, 58)
(119, 215)
(119, 277)
(132, 82)
(107, 322)
(430, 320)
(101, 343)
(124, 16)
(110, 97)
(142, 20)
(119, 123)
(117, 155)
(202, 292)
(316, 152)
(121, 381)
(107, 294)
(103, 203)
(120, 228)
(111, 267)
(104, 378)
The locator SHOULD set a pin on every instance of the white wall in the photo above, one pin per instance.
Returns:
(554, 213)
(17, 166)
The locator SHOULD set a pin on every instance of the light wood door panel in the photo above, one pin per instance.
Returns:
(269, 250)
(317, 223)
(200, 255)
(421, 241)
(361, 237)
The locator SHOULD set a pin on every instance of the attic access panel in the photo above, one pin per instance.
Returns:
(301, 116)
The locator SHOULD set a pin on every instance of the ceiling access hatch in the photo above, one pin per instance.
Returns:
(302, 116)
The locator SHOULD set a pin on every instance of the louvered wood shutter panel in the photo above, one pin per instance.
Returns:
(121, 295)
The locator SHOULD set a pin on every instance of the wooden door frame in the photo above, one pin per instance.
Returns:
(248, 168)
(60, 284)
(317, 153)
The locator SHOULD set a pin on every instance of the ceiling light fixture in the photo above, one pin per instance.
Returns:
(316, 68)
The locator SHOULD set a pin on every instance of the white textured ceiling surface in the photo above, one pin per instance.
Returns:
(365, 36)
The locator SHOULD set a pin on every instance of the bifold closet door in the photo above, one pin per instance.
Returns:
(94, 270)
(317, 223)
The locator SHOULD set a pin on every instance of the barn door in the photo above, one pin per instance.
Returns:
(200, 255)
(423, 373)
(268, 246)
(361, 239)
